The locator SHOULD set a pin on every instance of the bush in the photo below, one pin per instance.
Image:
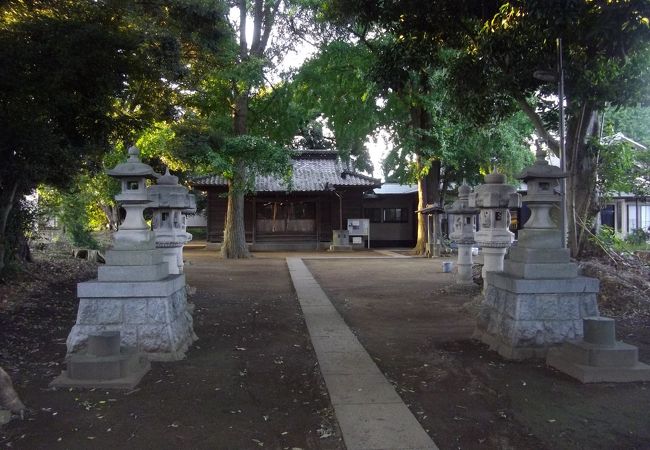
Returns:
(637, 237)
(607, 239)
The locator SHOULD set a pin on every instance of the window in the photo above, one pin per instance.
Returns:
(640, 213)
(374, 214)
(395, 215)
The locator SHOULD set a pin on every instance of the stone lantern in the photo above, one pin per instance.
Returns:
(134, 293)
(493, 199)
(134, 231)
(461, 231)
(538, 301)
(170, 202)
(542, 179)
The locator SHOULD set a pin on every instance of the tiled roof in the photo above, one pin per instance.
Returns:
(312, 172)
(396, 189)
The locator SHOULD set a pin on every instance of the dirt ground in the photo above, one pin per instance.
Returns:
(252, 380)
(417, 326)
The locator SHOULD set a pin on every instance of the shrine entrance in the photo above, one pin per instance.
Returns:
(286, 218)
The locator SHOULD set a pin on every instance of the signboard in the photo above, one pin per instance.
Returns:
(359, 227)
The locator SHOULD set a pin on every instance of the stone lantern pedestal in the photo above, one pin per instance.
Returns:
(170, 201)
(134, 294)
(538, 301)
(463, 225)
(493, 199)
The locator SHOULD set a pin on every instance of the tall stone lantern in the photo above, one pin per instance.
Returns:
(462, 227)
(134, 293)
(170, 202)
(538, 301)
(493, 200)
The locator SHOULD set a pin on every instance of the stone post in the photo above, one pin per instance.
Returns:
(170, 202)
(493, 199)
(462, 232)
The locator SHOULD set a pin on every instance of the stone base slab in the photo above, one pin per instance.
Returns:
(115, 289)
(539, 255)
(513, 284)
(150, 321)
(89, 367)
(531, 271)
(591, 374)
(133, 257)
(128, 381)
(618, 355)
(133, 273)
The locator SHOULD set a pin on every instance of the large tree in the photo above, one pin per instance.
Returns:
(411, 84)
(605, 48)
(77, 76)
(242, 93)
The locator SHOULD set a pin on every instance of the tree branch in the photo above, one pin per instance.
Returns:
(552, 143)
(269, 18)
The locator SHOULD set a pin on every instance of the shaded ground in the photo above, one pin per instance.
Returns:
(417, 325)
(251, 381)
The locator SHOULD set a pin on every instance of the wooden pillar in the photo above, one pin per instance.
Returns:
(254, 198)
(318, 219)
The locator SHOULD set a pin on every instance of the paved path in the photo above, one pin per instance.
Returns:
(369, 411)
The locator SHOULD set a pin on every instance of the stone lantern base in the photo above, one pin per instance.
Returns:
(522, 318)
(148, 307)
(537, 302)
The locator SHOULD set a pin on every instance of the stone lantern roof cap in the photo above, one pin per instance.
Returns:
(133, 167)
(461, 205)
(168, 179)
(495, 178)
(464, 190)
(541, 169)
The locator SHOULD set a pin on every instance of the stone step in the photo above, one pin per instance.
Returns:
(590, 374)
(618, 355)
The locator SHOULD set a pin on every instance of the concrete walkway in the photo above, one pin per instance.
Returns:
(369, 411)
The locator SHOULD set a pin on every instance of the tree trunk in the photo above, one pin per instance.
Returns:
(6, 205)
(420, 121)
(234, 233)
(433, 182)
(112, 213)
(420, 244)
(234, 236)
(581, 195)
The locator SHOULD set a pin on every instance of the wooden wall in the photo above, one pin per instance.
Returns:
(327, 207)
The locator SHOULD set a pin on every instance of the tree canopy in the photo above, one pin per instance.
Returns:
(76, 77)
